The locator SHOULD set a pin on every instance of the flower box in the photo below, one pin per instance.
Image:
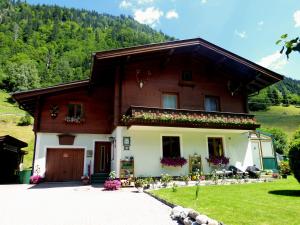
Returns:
(173, 162)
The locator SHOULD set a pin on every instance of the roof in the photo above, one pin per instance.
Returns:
(196, 42)
(27, 99)
(254, 76)
(12, 141)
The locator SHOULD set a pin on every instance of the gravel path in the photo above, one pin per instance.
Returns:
(71, 204)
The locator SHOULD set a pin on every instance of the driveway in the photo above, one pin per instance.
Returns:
(72, 204)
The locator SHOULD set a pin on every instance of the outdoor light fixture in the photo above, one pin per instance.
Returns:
(111, 139)
(142, 76)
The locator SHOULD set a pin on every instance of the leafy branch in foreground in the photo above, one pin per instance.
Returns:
(288, 46)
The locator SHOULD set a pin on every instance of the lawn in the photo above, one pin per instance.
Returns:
(273, 203)
(286, 118)
(10, 114)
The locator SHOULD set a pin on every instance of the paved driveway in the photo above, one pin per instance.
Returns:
(71, 204)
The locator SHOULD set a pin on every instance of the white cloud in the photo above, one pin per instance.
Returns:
(241, 34)
(125, 4)
(172, 14)
(261, 23)
(274, 61)
(148, 16)
(203, 1)
(142, 2)
(297, 18)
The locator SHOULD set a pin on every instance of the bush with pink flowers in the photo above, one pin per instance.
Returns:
(36, 179)
(112, 185)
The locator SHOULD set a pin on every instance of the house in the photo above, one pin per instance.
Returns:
(11, 156)
(141, 104)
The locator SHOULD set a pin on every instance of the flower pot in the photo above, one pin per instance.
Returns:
(140, 189)
(186, 183)
(85, 182)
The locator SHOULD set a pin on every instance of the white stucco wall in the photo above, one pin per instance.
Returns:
(50, 140)
(146, 148)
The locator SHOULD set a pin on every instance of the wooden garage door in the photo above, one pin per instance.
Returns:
(64, 164)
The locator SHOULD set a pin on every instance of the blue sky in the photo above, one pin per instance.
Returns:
(247, 28)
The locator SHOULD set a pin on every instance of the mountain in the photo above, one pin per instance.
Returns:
(42, 45)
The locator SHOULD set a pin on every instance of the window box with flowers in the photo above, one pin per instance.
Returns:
(171, 152)
(75, 114)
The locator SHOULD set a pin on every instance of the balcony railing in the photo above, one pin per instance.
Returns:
(149, 116)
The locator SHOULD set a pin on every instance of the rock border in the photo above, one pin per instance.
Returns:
(186, 216)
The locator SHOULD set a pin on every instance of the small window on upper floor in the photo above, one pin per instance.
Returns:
(170, 101)
(187, 75)
(75, 110)
(212, 103)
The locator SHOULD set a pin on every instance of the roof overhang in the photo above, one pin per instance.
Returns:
(254, 76)
(12, 141)
(28, 99)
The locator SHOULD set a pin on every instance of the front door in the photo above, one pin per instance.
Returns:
(102, 157)
(256, 154)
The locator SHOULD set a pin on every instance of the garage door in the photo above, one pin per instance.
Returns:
(64, 164)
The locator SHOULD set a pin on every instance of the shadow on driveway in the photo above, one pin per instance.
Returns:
(74, 184)
(292, 193)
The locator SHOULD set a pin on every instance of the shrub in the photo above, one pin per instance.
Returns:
(25, 120)
(294, 158)
(112, 185)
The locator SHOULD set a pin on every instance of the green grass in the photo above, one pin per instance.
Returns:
(9, 117)
(273, 203)
(286, 118)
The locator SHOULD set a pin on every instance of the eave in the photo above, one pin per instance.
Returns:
(27, 100)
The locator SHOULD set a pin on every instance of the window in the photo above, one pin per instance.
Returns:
(169, 101)
(75, 110)
(212, 103)
(171, 146)
(186, 76)
(215, 147)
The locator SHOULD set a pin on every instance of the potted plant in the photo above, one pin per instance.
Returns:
(139, 184)
(85, 180)
(112, 183)
(284, 169)
(165, 179)
(186, 179)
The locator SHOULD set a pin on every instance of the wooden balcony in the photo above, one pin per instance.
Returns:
(149, 116)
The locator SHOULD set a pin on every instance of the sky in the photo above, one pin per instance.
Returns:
(247, 28)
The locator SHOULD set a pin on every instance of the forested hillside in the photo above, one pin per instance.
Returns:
(285, 93)
(43, 45)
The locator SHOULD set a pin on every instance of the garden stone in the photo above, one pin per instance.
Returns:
(195, 223)
(202, 219)
(185, 213)
(212, 222)
(188, 221)
(193, 214)
(176, 211)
